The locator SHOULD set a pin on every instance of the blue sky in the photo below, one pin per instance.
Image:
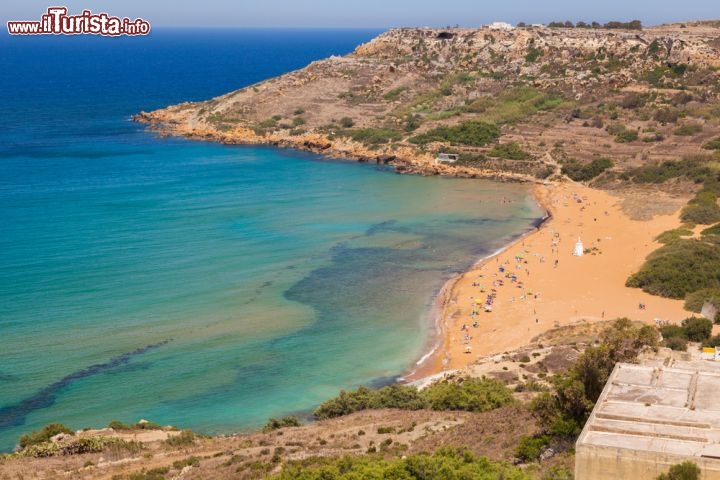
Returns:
(372, 13)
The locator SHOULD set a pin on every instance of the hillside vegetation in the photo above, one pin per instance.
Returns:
(529, 103)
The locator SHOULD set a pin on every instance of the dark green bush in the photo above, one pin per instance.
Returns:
(679, 268)
(276, 423)
(582, 173)
(187, 462)
(694, 301)
(688, 129)
(702, 209)
(672, 235)
(469, 394)
(118, 425)
(530, 448)
(633, 101)
(185, 438)
(533, 54)
(666, 115)
(692, 168)
(697, 329)
(346, 122)
(713, 144)
(676, 343)
(44, 435)
(373, 136)
(686, 470)
(713, 341)
(471, 132)
(672, 331)
(511, 151)
(445, 464)
(626, 136)
(393, 396)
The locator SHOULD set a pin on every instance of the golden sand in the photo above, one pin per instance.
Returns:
(552, 287)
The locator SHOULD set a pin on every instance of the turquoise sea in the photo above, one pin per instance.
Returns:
(195, 284)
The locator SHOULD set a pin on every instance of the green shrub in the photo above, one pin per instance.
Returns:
(626, 136)
(633, 101)
(697, 329)
(44, 435)
(513, 105)
(688, 129)
(275, 423)
(702, 209)
(269, 123)
(185, 438)
(582, 173)
(445, 464)
(713, 341)
(530, 448)
(713, 144)
(346, 122)
(672, 235)
(666, 115)
(692, 168)
(373, 136)
(469, 394)
(157, 473)
(510, 151)
(297, 121)
(679, 268)
(394, 93)
(118, 425)
(694, 301)
(672, 331)
(393, 396)
(187, 462)
(686, 470)
(676, 343)
(79, 446)
(533, 54)
(471, 132)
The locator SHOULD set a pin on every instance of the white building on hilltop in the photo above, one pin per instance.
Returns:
(500, 26)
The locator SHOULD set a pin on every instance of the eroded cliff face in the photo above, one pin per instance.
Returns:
(542, 86)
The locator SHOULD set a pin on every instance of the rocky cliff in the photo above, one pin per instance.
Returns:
(557, 95)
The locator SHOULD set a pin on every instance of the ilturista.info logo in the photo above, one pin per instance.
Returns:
(57, 22)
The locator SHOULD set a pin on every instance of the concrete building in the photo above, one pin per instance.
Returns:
(447, 157)
(652, 416)
(500, 26)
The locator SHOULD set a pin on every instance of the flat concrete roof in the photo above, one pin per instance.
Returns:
(670, 407)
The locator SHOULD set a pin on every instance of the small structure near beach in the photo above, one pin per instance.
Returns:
(579, 250)
(447, 157)
(650, 417)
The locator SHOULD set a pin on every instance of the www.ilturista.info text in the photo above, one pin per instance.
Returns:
(57, 22)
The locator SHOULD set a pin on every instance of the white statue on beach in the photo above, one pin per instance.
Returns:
(579, 250)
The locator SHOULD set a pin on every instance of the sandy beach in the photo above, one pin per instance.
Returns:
(537, 284)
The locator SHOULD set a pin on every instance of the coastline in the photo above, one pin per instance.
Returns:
(551, 295)
(446, 349)
(426, 368)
